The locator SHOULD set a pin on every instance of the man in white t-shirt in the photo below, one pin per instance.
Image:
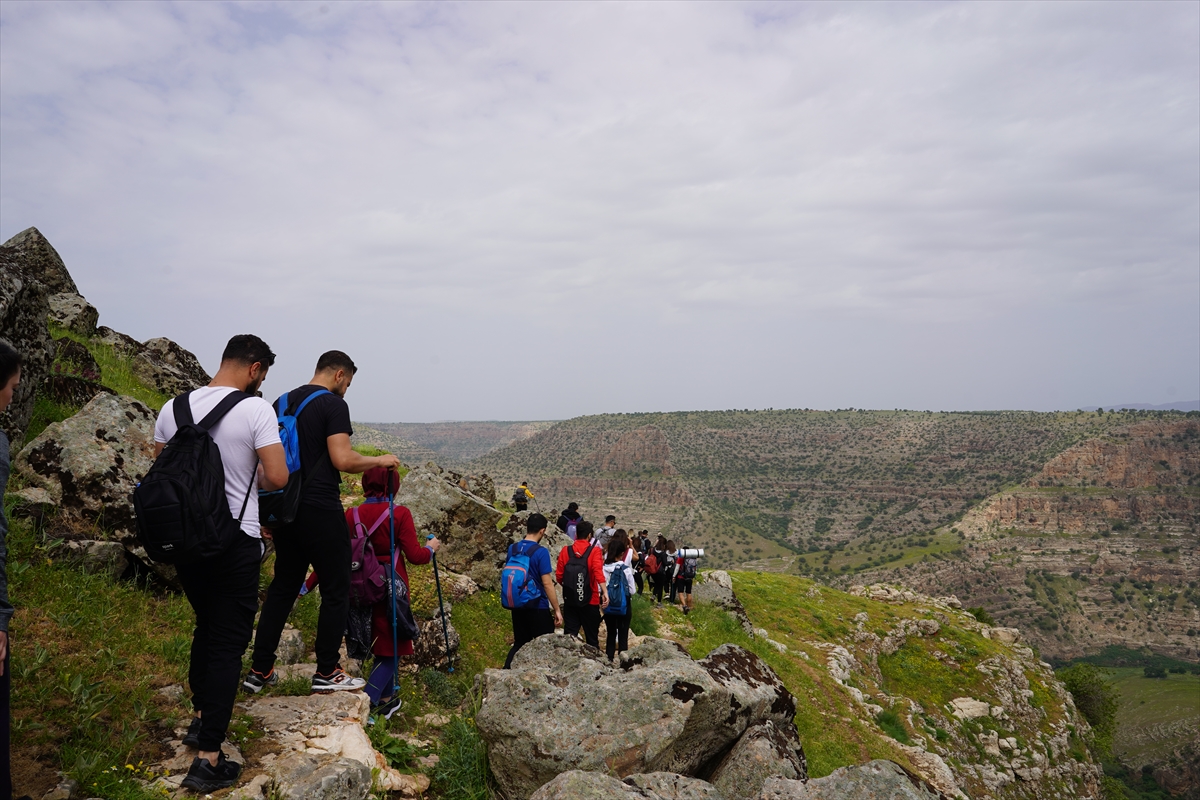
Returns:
(223, 590)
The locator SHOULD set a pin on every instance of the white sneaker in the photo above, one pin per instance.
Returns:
(338, 681)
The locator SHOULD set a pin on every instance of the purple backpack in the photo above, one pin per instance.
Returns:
(368, 577)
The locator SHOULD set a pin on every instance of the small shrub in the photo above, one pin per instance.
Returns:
(642, 622)
(981, 614)
(890, 722)
(440, 688)
(462, 770)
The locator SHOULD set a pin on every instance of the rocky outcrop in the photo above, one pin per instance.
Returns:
(38, 259)
(579, 785)
(662, 711)
(168, 368)
(24, 307)
(716, 587)
(874, 780)
(467, 525)
(74, 312)
(90, 463)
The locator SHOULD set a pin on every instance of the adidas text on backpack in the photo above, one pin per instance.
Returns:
(278, 508)
(618, 592)
(518, 587)
(182, 511)
(577, 583)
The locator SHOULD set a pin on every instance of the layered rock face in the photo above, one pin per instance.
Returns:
(1101, 547)
(643, 449)
(562, 707)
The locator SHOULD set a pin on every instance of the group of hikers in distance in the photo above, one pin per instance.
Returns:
(600, 571)
(232, 472)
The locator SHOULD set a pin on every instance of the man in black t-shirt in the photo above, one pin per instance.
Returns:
(318, 534)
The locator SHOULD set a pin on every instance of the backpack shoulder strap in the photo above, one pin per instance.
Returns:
(309, 399)
(357, 521)
(182, 409)
(227, 403)
(378, 520)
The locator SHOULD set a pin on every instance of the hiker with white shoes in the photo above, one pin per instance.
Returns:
(320, 418)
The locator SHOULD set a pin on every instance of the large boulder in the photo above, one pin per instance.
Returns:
(41, 261)
(578, 785)
(765, 750)
(716, 587)
(168, 367)
(467, 525)
(870, 781)
(90, 463)
(73, 312)
(23, 324)
(429, 649)
(660, 711)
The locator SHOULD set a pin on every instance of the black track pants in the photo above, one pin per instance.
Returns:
(528, 624)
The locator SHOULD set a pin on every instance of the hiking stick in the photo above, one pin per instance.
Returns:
(392, 574)
(442, 606)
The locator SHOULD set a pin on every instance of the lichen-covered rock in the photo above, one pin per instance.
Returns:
(765, 750)
(319, 776)
(41, 261)
(23, 311)
(168, 367)
(90, 463)
(466, 525)
(94, 557)
(874, 780)
(429, 649)
(662, 711)
(73, 312)
(716, 587)
(122, 343)
(579, 785)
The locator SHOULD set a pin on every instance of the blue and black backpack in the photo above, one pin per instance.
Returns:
(618, 592)
(278, 508)
(519, 588)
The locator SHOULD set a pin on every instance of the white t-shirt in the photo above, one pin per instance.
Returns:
(248, 426)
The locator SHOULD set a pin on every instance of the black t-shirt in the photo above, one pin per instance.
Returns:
(325, 416)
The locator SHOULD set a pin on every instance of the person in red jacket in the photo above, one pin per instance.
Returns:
(378, 484)
(583, 612)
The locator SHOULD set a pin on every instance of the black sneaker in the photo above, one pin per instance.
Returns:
(204, 777)
(384, 709)
(255, 681)
(192, 737)
(336, 681)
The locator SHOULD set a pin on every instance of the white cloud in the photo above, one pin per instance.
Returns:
(803, 198)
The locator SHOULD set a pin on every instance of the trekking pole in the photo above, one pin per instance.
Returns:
(392, 573)
(442, 606)
(536, 504)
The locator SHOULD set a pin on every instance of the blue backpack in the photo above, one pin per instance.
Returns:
(518, 587)
(618, 592)
(279, 507)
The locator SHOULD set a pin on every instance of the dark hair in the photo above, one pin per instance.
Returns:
(616, 549)
(246, 348)
(10, 362)
(572, 506)
(335, 360)
(535, 523)
(610, 518)
(671, 545)
(584, 529)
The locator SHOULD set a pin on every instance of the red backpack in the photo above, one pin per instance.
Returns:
(368, 576)
(651, 564)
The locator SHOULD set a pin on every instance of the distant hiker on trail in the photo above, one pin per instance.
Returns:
(656, 567)
(528, 586)
(370, 628)
(618, 611)
(605, 532)
(317, 536)
(10, 376)
(672, 570)
(580, 572)
(568, 519)
(685, 573)
(522, 496)
(223, 589)
(640, 548)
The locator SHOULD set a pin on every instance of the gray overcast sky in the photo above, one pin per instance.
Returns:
(537, 210)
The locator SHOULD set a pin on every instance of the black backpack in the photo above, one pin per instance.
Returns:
(182, 512)
(577, 583)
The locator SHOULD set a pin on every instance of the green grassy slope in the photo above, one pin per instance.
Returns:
(1156, 714)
